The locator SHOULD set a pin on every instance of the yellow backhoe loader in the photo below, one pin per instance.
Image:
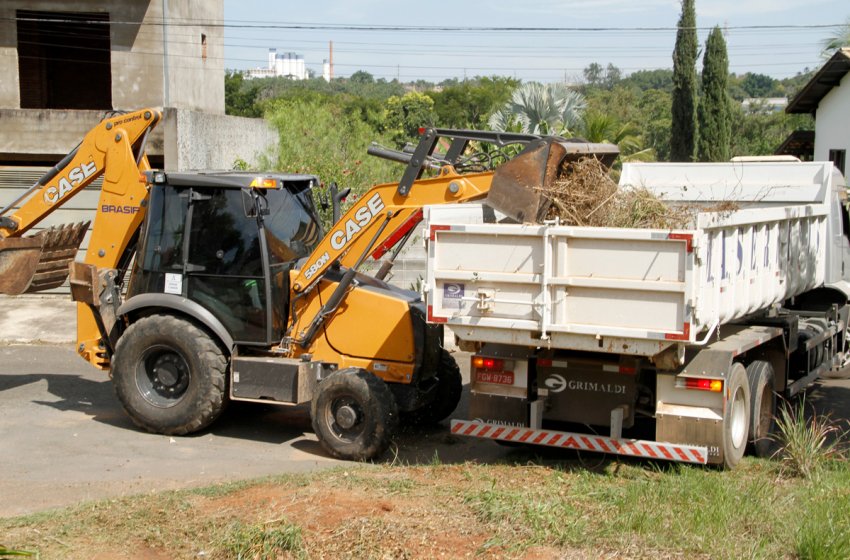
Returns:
(201, 288)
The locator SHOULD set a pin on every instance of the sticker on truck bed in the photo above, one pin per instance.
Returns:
(453, 295)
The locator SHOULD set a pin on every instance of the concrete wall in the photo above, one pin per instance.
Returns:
(832, 125)
(141, 75)
(50, 133)
(202, 141)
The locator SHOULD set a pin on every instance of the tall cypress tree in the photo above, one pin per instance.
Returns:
(683, 129)
(715, 127)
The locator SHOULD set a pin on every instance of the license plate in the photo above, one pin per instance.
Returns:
(496, 377)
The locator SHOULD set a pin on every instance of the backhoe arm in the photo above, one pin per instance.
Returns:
(105, 147)
(354, 233)
(113, 149)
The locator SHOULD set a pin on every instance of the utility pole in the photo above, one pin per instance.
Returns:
(331, 59)
(165, 94)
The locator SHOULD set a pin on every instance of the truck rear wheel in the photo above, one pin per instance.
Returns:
(446, 395)
(169, 375)
(762, 407)
(736, 416)
(354, 415)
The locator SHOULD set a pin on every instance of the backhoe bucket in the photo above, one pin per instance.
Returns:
(518, 186)
(39, 262)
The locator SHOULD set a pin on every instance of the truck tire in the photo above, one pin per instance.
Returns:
(446, 398)
(170, 375)
(736, 416)
(762, 408)
(354, 415)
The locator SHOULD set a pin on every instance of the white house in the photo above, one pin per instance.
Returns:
(827, 98)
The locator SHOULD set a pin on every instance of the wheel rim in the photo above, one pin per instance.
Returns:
(162, 376)
(738, 418)
(344, 418)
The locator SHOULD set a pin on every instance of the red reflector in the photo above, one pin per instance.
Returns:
(544, 362)
(713, 385)
(628, 370)
(421, 130)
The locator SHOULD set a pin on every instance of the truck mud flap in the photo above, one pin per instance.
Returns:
(583, 442)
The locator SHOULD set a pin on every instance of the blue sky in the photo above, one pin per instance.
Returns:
(542, 55)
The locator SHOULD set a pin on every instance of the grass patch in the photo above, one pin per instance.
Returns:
(808, 443)
(622, 509)
(266, 541)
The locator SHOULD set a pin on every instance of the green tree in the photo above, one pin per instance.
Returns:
(406, 114)
(714, 107)
(240, 96)
(362, 77)
(655, 121)
(604, 128)
(650, 79)
(593, 74)
(683, 126)
(758, 85)
(613, 75)
(541, 109)
(317, 137)
(468, 104)
(759, 134)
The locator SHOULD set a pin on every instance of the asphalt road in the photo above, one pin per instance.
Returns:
(64, 437)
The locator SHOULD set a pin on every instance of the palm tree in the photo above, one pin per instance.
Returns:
(841, 38)
(602, 128)
(540, 109)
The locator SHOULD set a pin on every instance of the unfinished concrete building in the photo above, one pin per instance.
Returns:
(67, 64)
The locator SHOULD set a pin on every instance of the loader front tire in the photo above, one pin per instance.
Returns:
(170, 375)
(446, 395)
(354, 415)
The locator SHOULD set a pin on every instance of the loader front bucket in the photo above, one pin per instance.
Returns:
(519, 185)
(39, 262)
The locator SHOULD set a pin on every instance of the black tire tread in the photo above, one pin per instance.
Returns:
(381, 404)
(760, 373)
(448, 394)
(210, 406)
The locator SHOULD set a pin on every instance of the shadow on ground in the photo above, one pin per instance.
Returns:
(413, 445)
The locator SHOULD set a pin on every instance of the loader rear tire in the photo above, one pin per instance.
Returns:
(170, 375)
(354, 415)
(446, 395)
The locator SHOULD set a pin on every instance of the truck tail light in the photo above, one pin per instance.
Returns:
(488, 364)
(713, 385)
(494, 371)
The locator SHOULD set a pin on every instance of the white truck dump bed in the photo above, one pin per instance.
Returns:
(637, 291)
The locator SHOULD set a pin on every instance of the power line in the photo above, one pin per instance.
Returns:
(250, 24)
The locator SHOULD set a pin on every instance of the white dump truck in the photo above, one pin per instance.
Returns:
(644, 342)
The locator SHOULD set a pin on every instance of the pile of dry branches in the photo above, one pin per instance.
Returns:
(585, 195)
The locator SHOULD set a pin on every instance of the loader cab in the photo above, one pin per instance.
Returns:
(226, 241)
